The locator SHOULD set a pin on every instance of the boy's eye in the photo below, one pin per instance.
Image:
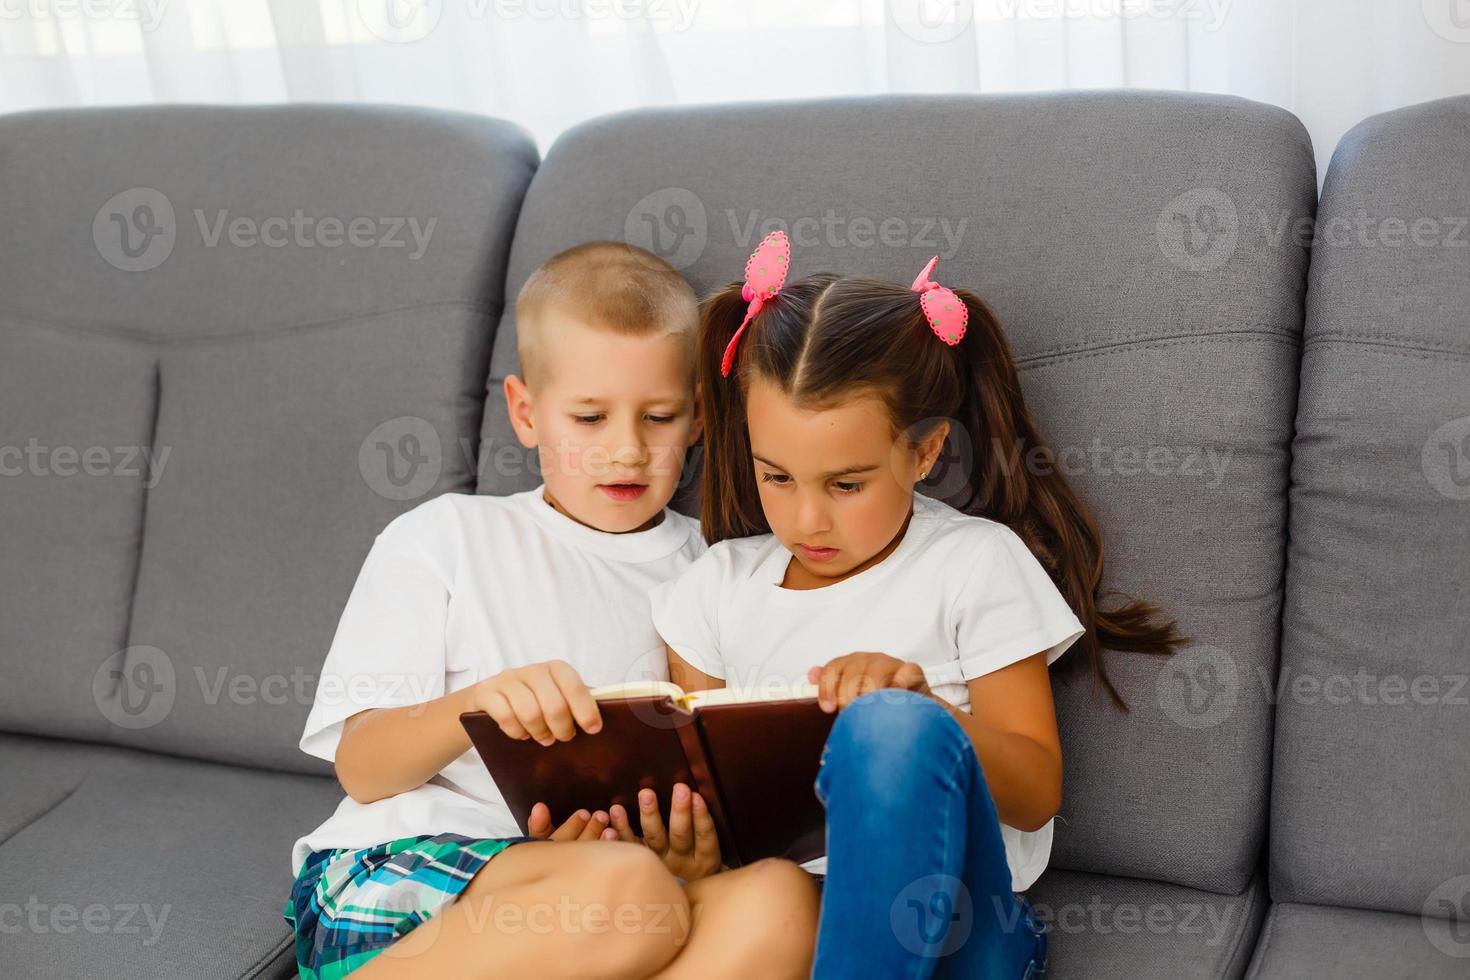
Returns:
(588, 419)
(779, 479)
(848, 487)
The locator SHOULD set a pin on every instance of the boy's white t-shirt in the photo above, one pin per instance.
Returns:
(961, 596)
(459, 589)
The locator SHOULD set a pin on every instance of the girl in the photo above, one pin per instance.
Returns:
(826, 402)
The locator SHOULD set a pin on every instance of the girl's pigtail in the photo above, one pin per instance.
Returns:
(729, 508)
(1040, 505)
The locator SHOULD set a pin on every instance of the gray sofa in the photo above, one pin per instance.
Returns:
(235, 342)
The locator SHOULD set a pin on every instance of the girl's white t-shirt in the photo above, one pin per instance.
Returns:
(961, 596)
(458, 589)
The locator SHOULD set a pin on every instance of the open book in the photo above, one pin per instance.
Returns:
(752, 753)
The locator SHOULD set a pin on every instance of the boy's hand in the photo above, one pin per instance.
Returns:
(580, 826)
(689, 847)
(545, 701)
(845, 679)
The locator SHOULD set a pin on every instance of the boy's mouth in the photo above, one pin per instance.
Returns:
(623, 492)
(817, 554)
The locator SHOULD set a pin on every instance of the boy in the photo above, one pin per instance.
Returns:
(516, 605)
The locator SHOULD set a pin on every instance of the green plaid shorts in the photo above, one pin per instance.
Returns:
(350, 904)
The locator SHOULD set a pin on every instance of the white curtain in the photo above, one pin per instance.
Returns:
(548, 64)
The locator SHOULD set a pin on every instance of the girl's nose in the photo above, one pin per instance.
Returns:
(811, 514)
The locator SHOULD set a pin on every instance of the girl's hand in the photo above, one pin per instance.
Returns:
(580, 826)
(846, 678)
(545, 701)
(690, 847)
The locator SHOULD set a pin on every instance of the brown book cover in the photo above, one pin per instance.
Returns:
(754, 758)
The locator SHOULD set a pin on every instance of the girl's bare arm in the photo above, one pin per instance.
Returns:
(688, 677)
(1013, 725)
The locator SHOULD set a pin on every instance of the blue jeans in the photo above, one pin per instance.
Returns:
(917, 883)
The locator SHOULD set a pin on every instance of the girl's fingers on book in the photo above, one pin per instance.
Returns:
(621, 824)
(594, 827)
(653, 824)
(554, 708)
(579, 700)
(827, 686)
(538, 824)
(706, 840)
(910, 677)
(681, 821)
(570, 829)
(855, 683)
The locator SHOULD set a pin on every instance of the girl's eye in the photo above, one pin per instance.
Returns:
(588, 419)
(778, 479)
(848, 487)
(661, 419)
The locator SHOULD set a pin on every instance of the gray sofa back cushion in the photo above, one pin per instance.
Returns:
(76, 426)
(297, 305)
(1373, 725)
(1139, 250)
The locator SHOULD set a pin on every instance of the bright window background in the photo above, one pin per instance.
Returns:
(549, 64)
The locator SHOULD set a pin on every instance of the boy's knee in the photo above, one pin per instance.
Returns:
(785, 906)
(639, 904)
(788, 897)
(607, 902)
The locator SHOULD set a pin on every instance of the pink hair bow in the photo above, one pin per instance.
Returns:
(946, 312)
(765, 274)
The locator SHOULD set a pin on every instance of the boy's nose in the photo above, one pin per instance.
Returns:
(630, 453)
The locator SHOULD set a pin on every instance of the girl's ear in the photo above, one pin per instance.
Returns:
(930, 447)
(518, 406)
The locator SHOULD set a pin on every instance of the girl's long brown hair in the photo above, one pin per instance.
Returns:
(824, 339)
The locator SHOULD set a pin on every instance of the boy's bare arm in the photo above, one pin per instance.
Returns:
(386, 751)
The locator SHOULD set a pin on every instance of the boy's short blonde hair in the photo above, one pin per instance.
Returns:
(609, 286)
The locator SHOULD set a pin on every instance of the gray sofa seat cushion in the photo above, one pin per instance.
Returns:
(1107, 928)
(1370, 781)
(39, 774)
(150, 866)
(1321, 941)
(1128, 242)
(312, 366)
